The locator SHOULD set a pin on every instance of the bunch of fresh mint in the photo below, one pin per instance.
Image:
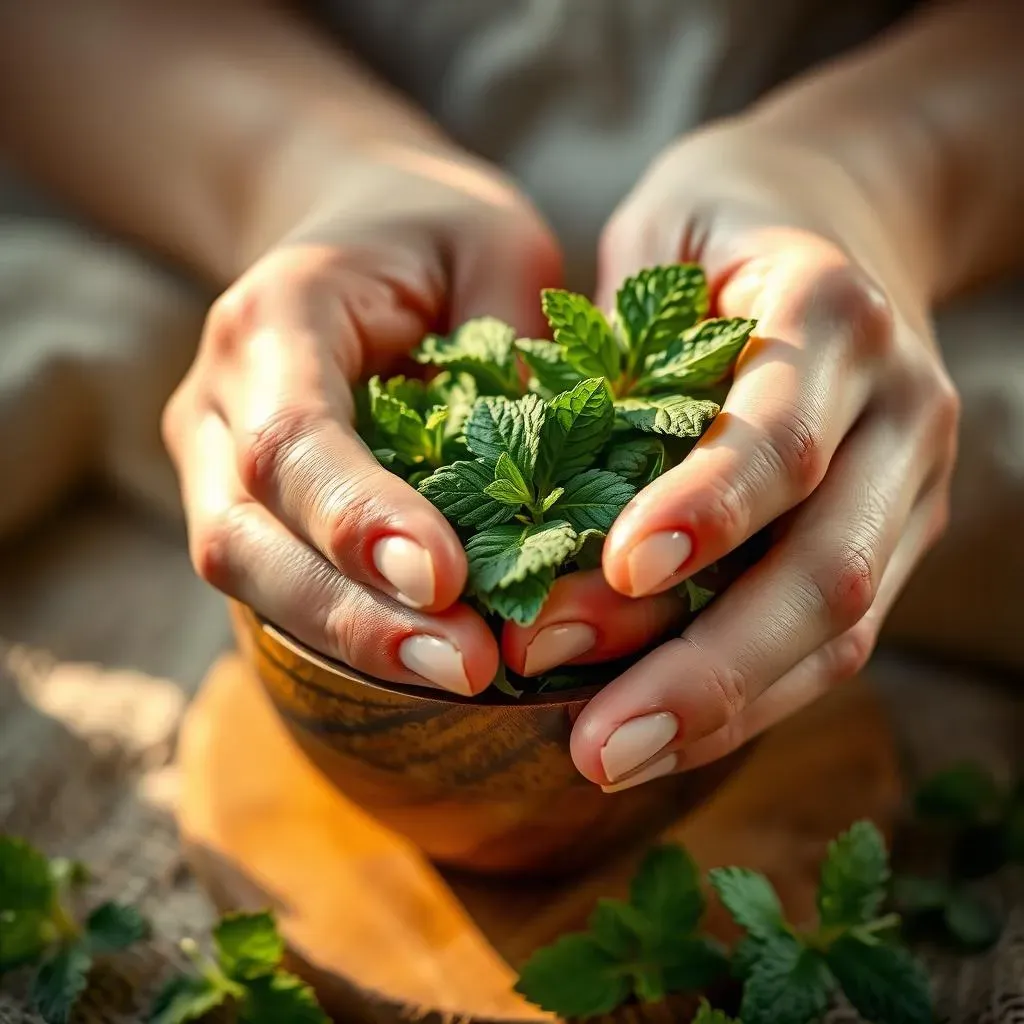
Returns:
(38, 926)
(532, 448)
(650, 946)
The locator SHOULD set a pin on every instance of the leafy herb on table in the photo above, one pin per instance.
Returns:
(533, 476)
(243, 974)
(38, 926)
(645, 947)
(789, 975)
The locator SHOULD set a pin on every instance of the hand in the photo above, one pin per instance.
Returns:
(840, 429)
(287, 509)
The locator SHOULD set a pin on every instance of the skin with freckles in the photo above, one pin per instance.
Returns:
(339, 226)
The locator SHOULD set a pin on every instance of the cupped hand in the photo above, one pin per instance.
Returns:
(839, 433)
(287, 509)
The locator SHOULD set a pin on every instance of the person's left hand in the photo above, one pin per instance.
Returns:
(840, 429)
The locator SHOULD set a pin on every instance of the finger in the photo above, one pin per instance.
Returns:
(291, 412)
(585, 621)
(239, 548)
(799, 387)
(817, 582)
(837, 661)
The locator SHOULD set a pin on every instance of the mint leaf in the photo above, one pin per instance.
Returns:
(248, 945)
(397, 424)
(658, 304)
(574, 977)
(667, 890)
(551, 374)
(185, 999)
(965, 794)
(707, 1015)
(551, 498)
(973, 923)
(576, 426)
(483, 348)
(280, 998)
(699, 359)
(60, 981)
(457, 392)
(459, 492)
(699, 597)
(27, 892)
(672, 415)
(509, 554)
(690, 964)
(114, 926)
(497, 425)
(854, 877)
(751, 901)
(789, 984)
(508, 486)
(385, 456)
(502, 685)
(884, 984)
(520, 602)
(619, 928)
(593, 500)
(639, 461)
(582, 331)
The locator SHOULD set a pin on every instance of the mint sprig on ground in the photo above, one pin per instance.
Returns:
(645, 947)
(789, 975)
(244, 974)
(533, 475)
(38, 925)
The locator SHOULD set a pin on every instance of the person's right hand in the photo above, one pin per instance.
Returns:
(287, 509)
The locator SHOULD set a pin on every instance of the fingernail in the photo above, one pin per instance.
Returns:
(408, 567)
(555, 645)
(663, 766)
(437, 661)
(656, 558)
(636, 742)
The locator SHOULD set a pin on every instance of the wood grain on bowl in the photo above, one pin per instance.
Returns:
(483, 783)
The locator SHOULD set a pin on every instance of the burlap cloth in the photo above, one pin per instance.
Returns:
(105, 633)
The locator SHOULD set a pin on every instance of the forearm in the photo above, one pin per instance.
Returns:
(927, 122)
(201, 128)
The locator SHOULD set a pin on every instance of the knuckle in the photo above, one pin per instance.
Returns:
(352, 507)
(846, 586)
(851, 652)
(225, 322)
(727, 512)
(728, 688)
(274, 448)
(213, 548)
(796, 446)
(850, 301)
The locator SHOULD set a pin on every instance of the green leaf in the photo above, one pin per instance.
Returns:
(972, 922)
(574, 977)
(639, 461)
(672, 415)
(658, 304)
(690, 964)
(964, 794)
(114, 926)
(508, 485)
(593, 500)
(913, 895)
(619, 928)
(497, 425)
(509, 554)
(27, 892)
(750, 899)
(666, 889)
(699, 359)
(854, 877)
(502, 685)
(589, 549)
(385, 456)
(398, 426)
(551, 498)
(520, 602)
(280, 998)
(789, 984)
(457, 392)
(459, 492)
(576, 426)
(588, 342)
(482, 348)
(647, 982)
(68, 874)
(60, 981)
(185, 999)
(699, 597)
(885, 984)
(248, 945)
(551, 373)
(706, 1015)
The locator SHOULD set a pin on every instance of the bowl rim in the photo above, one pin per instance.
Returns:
(488, 698)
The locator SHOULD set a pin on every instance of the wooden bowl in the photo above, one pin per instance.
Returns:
(483, 784)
